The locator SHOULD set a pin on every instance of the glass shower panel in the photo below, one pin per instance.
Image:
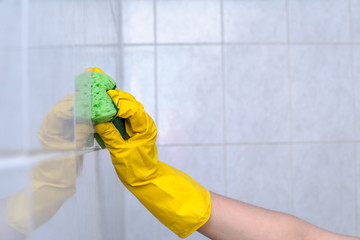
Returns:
(54, 184)
(14, 198)
(11, 64)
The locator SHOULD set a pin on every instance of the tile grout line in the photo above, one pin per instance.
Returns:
(25, 93)
(157, 119)
(24, 72)
(223, 94)
(189, 44)
(292, 171)
(119, 61)
(257, 143)
(356, 170)
(354, 115)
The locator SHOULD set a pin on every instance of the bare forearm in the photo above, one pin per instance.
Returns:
(231, 219)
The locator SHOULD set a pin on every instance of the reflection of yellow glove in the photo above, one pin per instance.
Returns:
(170, 195)
(52, 181)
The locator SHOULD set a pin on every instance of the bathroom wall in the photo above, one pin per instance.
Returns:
(256, 100)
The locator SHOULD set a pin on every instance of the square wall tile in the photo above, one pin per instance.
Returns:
(322, 94)
(73, 23)
(324, 186)
(355, 14)
(205, 164)
(356, 76)
(139, 74)
(11, 27)
(319, 21)
(257, 94)
(188, 21)
(190, 95)
(111, 197)
(260, 175)
(255, 21)
(139, 222)
(138, 21)
(88, 198)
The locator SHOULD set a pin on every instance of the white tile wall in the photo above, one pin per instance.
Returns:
(189, 94)
(356, 79)
(138, 21)
(232, 86)
(260, 175)
(188, 21)
(255, 21)
(355, 13)
(203, 163)
(321, 82)
(139, 222)
(324, 185)
(256, 93)
(139, 76)
(111, 198)
(10, 30)
(73, 23)
(319, 21)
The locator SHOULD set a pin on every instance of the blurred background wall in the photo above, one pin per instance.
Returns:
(256, 100)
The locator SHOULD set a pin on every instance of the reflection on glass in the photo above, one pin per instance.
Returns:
(52, 181)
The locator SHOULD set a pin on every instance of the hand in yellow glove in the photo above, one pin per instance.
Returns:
(178, 201)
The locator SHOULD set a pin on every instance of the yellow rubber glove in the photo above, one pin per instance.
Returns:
(174, 198)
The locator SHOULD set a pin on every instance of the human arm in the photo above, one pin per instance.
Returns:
(135, 161)
(232, 219)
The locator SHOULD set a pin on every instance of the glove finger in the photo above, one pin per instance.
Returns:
(138, 122)
(117, 95)
(110, 135)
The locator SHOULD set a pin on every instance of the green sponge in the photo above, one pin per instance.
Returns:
(93, 102)
(102, 107)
